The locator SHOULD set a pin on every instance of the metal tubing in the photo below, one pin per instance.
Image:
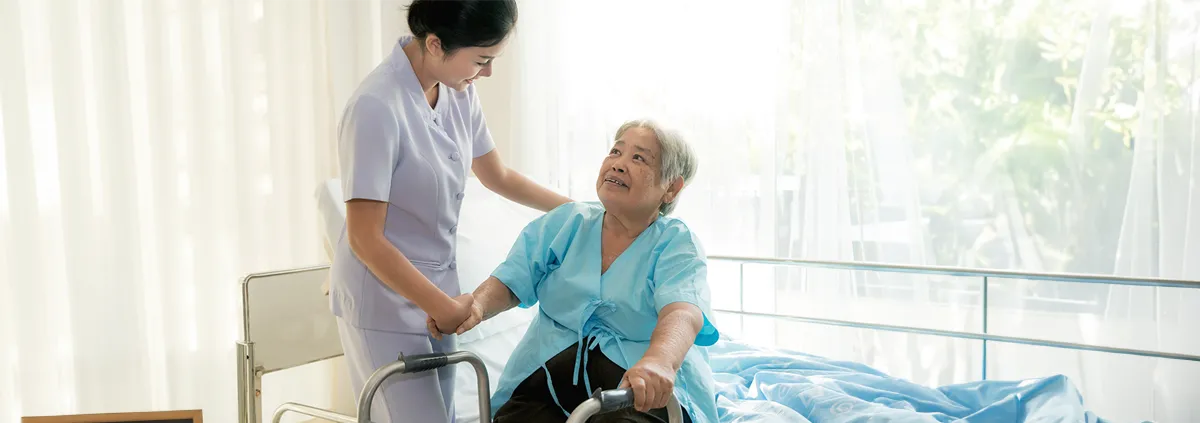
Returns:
(742, 287)
(985, 325)
(961, 271)
(674, 411)
(484, 387)
(245, 384)
(319, 413)
(377, 378)
(970, 335)
(584, 411)
(249, 385)
(592, 406)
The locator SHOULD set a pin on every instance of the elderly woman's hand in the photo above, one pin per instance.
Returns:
(652, 381)
(450, 320)
(473, 319)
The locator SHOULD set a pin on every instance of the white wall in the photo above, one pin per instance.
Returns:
(498, 97)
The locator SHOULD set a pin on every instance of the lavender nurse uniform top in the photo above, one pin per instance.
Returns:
(393, 147)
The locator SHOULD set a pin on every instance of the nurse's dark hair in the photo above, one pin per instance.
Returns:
(462, 23)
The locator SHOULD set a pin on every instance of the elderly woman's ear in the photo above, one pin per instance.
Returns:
(672, 191)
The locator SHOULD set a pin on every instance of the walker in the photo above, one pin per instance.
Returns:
(600, 402)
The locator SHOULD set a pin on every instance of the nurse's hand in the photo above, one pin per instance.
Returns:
(451, 318)
(653, 384)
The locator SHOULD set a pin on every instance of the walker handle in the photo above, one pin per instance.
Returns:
(417, 363)
(614, 399)
(424, 362)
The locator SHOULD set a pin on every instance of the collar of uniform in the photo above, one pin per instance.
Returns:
(407, 78)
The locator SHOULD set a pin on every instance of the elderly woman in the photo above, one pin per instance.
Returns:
(622, 293)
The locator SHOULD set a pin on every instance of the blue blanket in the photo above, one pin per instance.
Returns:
(756, 384)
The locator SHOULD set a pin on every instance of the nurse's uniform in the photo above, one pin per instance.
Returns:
(393, 147)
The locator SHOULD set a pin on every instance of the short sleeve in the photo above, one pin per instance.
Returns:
(368, 149)
(481, 136)
(681, 275)
(538, 251)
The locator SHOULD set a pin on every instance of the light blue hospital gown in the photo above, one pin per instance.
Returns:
(555, 263)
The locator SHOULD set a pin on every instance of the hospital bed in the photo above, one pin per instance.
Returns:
(287, 323)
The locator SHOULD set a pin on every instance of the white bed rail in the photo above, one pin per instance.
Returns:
(982, 275)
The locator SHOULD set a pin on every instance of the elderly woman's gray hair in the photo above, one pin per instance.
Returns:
(676, 156)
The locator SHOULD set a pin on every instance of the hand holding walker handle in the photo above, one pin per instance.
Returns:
(618, 399)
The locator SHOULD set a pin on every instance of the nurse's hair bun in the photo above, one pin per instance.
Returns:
(463, 23)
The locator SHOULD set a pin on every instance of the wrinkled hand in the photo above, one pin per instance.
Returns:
(473, 319)
(449, 323)
(653, 384)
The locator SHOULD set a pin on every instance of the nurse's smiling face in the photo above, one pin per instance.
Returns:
(463, 66)
(629, 177)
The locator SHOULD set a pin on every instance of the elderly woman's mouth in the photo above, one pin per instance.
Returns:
(616, 182)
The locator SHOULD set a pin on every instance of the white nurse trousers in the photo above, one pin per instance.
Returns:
(421, 397)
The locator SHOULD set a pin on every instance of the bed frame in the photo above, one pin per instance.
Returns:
(286, 321)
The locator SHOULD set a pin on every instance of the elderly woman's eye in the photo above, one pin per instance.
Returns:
(613, 152)
(639, 157)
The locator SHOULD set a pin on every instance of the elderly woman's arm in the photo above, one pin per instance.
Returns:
(492, 297)
(653, 377)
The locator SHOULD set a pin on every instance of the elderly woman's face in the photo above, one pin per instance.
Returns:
(629, 176)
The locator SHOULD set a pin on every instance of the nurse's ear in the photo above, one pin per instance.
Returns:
(433, 46)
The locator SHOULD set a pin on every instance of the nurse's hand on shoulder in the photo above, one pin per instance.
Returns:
(653, 384)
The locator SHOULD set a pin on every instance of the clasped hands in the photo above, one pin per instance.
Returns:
(463, 315)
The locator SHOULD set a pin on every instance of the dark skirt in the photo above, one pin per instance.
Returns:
(532, 402)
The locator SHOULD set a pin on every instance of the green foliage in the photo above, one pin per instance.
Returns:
(990, 88)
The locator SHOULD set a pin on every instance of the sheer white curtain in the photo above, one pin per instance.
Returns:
(1028, 135)
(152, 152)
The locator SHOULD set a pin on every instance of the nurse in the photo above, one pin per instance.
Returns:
(409, 135)
(622, 294)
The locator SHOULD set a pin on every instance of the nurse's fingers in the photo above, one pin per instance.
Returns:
(433, 330)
